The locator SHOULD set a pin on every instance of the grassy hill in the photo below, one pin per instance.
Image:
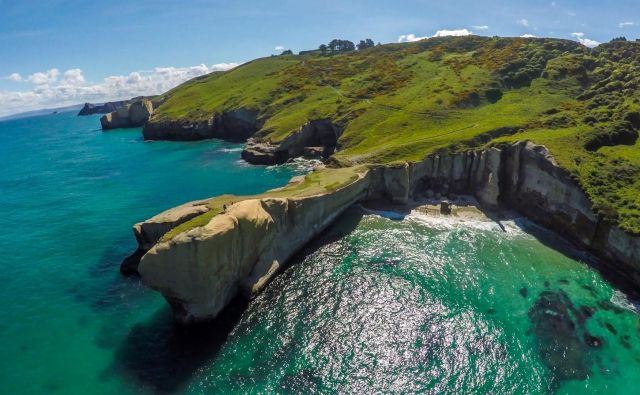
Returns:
(401, 102)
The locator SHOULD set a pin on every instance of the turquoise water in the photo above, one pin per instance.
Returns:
(420, 305)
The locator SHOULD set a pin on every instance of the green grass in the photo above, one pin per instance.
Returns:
(401, 102)
(315, 183)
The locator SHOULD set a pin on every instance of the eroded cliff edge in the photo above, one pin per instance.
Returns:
(198, 268)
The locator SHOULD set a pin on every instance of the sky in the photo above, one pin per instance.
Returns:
(60, 52)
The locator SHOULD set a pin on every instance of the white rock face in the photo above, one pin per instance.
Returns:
(201, 270)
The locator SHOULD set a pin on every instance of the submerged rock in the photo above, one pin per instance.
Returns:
(561, 336)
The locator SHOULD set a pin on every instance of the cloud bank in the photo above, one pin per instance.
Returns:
(587, 42)
(405, 38)
(52, 89)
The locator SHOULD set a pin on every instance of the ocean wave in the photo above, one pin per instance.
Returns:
(229, 150)
(509, 227)
(298, 164)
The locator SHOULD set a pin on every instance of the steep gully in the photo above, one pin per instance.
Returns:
(200, 270)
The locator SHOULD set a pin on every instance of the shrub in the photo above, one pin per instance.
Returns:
(493, 95)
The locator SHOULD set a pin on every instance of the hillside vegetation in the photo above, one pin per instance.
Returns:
(401, 102)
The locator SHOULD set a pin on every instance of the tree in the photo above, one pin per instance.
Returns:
(323, 48)
(287, 52)
(364, 44)
(619, 39)
(341, 45)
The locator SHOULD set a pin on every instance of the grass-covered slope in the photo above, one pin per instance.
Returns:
(403, 101)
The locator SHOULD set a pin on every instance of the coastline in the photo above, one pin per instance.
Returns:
(522, 177)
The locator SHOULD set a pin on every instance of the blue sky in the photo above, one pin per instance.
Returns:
(40, 41)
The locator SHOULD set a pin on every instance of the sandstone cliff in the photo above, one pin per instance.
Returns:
(129, 116)
(200, 270)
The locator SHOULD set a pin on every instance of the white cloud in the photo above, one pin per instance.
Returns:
(406, 38)
(480, 27)
(223, 66)
(73, 77)
(458, 32)
(15, 77)
(528, 36)
(72, 88)
(587, 42)
(46, 77)
(279, 48)
(523, 22)
(622, 25)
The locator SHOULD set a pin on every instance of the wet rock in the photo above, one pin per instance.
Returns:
(587, 311)
(445, 208)
(610, 328)
(592, 341)
(625, 341)
(130, 264)
(524, 292)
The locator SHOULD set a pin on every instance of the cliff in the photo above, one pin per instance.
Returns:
(129, 116)
(198, 270)
(90, 109)
(236, 125)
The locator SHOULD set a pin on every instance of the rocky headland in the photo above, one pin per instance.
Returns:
(200, 269)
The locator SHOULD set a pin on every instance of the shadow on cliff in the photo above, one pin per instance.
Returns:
(570, 250)
(161, 356)
(342, 227)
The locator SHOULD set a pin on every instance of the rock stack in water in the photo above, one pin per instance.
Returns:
(132, 115)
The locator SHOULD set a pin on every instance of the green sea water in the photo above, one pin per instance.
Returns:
(376, 305)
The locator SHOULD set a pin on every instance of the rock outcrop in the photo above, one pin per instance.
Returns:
(313, 137)
(200, 270)
(237, 125)
(149, 232)
(90, 108)
(131, 115)
(316, 138)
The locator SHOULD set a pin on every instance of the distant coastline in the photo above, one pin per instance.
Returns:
(45, 111)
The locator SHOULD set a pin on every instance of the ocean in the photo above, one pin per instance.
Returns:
(403, 305)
